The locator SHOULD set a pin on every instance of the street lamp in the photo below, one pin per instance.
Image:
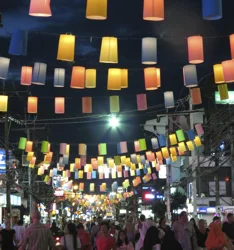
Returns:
(114, 122)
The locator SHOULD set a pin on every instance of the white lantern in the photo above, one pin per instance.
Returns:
(59, 77)
(4, 67)
(39, 73)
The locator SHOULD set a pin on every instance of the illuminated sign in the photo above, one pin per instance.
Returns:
(149, 196)
(227, 101)
(2, 161)
(59, 193)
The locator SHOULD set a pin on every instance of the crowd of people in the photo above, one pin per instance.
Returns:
(139, 234)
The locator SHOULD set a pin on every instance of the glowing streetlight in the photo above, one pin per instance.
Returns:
(114, 122)
(75, 187)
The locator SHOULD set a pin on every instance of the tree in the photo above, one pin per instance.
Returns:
(178, 200)
(159, 208)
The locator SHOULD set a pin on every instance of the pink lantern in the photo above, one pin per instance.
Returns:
(141, 102)
(89, 176)
(199, 129)
(101, 176)
(137, 146)
(62, 149)
(123, 147)
(26, 76)
(125, 174)
(83, 160)
(40, 8)
(59, 105)
(228, 70)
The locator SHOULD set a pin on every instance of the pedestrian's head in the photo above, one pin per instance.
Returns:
(183, 216)
(8, 223)
(122, 238)
(104, 227)
(15, 219)
(36, 216)
(71, 228)
(99, 219)
(142, 217)
(151, 238)
(216, 219)
(162, 221)
(230, 218)
(80, 228)
(53, 224)
(202, 224)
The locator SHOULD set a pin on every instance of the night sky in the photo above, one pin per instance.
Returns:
(183, 18)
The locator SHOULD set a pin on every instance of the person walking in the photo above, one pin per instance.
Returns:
(37, 236)
(19, 231)
(123, 243)
(7, 237)
(84, 236)
(202, 234)
(70, 241)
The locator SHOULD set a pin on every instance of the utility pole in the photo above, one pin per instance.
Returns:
(8, 184)
(216, 178)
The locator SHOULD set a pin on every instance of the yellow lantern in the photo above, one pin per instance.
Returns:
(109, 50)
(173, 152)
(114, 81)
(190, 145)
(173, 139)
(218, 73)
(124, 78)
(96, 9)
(90, 78)
(3, 103)
(197, 141)
(66, 48)
(182, 147)
(165, 152)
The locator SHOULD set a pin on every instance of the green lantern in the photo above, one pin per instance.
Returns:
(142, 143)
(22, 143)
(117, 160)
(180, 135)
(114, 104)
(44, 147)
(102, 149)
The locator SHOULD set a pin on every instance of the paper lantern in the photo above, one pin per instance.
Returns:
(152, 80)
(81, 187)
(3, 103)
(153, 10)
(197, 141)
(90, 78)
(195, 96)
(59, 77)
(133, 158)
(173, 139)
(190, 145)
(169, 99)
(19, 43)
(86, 105)
(141, 102)
(142, 143)
(117, 160)
(218, 73)
(122, 147)
(195, 49)
(180, 135)
(149, 50)
(162, 140)
(82, 149)
(114, 104)
(223, 91)
(154, 142)
(124, 78)
(173, 151)
(81, 174)
(137, 146)
(59, 105)
(191, 134)
(26, 76)
(92, 187)
(228, 70)
(199, 129)
(114, 79)
(78, 77)
(212, 9)
(182, 147)
(109, 50)
(22, 143)
(39, 73)
(231, 40)
(40, 8)
(45, 147)
(190, 76)
(62, 148)
(66, 48)
(165, 153)
(102, 149)
(32, 104)
(96, 9)
(4, 67)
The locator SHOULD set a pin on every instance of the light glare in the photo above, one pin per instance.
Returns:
(114, 122)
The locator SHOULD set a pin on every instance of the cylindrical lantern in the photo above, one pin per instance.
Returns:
(212, 9)
(90, 78)
(199, 129)
(223, 91)
(66, 48)
(190, 76)
(153, 10)
(86, 105)
(180, 135)
(4, 67)
(165, 153)
(92, 187)
(114, 79)
(154, 142)
(142, 143)
(109, 50)
(231, 40)
(114, 104)
(151, 78)
(62, 148)
(196, 96)
(96, 9)
(102, 149)
(137, 146)
(141, 102)
(39, 73)
(32, 104)
(82, 149)
(124, 78)
(40, 8)
(195, 49)
(218, 73)
(19, 43)
(197, 141)
(26, 76)
(29, 146)
(173, 139)
(228, 70)
(190, 145)
(169, 99)
(78, 77)
(59, 105)
(59, 77)
(3, 103)
(45, 147)
(22, 143)
(149, 50)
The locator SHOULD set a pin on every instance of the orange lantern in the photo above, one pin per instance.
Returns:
(196, 96)
(59, 105)
(87, 105)
(195, 49)
(26, 76)
(231, 39)
(32, 104)
(152, 78)
(153, 10)
(228, 70)
(29, 146)
(114, 79)
(78, 77)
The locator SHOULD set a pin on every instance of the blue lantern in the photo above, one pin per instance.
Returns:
(212, 9)
(169, 100)
(149, 50)
(190, 76)
(19, 43)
